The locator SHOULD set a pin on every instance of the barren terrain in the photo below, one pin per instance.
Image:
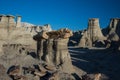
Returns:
(97, 60)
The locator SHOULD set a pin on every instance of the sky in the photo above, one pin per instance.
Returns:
(72, 14)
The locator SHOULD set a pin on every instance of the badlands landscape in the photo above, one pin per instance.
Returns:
(33, 52)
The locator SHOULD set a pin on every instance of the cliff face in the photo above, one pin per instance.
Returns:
(18, 32)
(7, 21)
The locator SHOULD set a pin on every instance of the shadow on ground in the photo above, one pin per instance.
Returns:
(105, 61)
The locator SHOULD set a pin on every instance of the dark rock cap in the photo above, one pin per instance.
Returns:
(10, 15)
(115, 18)
(19, 16)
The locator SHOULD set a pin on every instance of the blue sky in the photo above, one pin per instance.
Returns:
(73, 14)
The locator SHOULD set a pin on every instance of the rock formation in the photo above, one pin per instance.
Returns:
(55, 50)
(30, 52)
(92, 34)
(85, 41)
(113, 37)
(7, 21)
(91, 76)
(94, 31)
(18, 23)
(114, 29)
(17, 32)
(112, 33)
(114, 26)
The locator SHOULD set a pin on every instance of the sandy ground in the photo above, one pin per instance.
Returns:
(97, 60)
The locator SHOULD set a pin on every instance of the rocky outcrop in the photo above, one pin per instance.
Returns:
(92, 34)
(93, 30)
(18, 23)
(18, 32)
(52, 48)
(113, 37)
(7, 21)
(114, 26)
(113, 33)
(85, 41)
(113, 29)
(36, 28)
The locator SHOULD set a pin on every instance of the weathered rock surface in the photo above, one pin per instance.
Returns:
(92, 34)
(97, 76)
(18, 32)
(22, 63)
(30, 52)
(113, 37)
(113, 32)
(114, 26)
(53, 49)
(3, 75)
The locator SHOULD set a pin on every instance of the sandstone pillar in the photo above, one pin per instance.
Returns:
(49, 53)
(94, 29)
(18, 23)
(54, 50)
(40, 48)
(40, 38)
(63, 58)
(3, 21)
(114, 26)
(11, 22)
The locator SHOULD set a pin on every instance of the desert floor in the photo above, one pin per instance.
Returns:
(94, 60)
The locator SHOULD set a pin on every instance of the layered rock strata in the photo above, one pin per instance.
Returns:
(52, 48)
(92, 34)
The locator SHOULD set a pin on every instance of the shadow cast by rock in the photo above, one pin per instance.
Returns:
(97, 61)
